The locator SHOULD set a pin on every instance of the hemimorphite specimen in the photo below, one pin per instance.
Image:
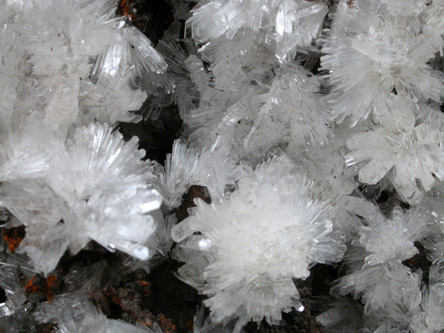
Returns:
(251, 245)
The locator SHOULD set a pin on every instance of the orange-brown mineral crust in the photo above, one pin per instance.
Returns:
(126, 9)
(13, 237)
(166, 324)
(48, 287)
(130, 10)
(35, 285)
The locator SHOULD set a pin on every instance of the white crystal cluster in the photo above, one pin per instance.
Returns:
(378, 275)
(271, 209)
(75, 314)
(287, 24)
(299, 117)
(373, 117)
(376, 48)
(408, 152)
(68, 74)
